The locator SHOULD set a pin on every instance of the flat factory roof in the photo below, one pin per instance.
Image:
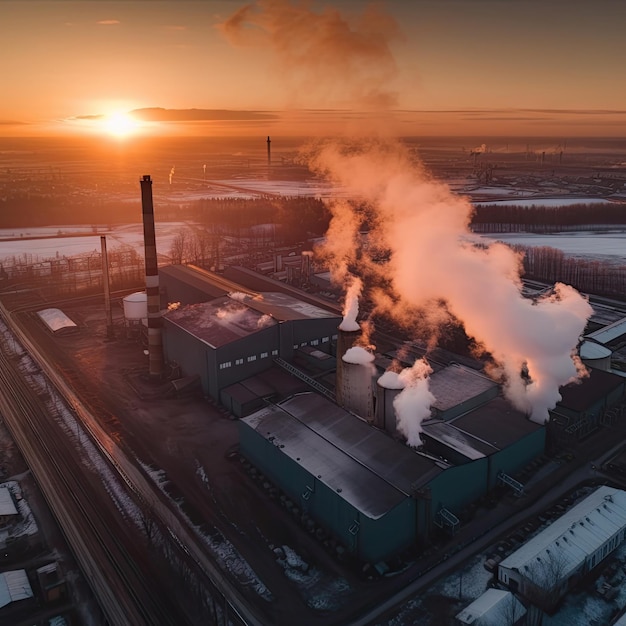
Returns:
(220, 321)
(609, 333)
(456, 384)
(283, 307)
(370, 470)
(213, 285)
(496, 422)
(583, 395)
(464, 443)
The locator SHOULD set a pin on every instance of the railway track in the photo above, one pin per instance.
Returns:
(105, 548)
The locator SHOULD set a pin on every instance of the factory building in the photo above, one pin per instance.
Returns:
(586, 405)
(346, 467)
(374, 494)
(230, 338)
(547, 566)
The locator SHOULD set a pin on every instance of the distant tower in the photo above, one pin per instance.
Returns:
(155, 347)
(269, 150)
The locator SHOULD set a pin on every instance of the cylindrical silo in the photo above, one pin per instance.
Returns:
(388, 386)
(595, 355)
(345, 340)
(135, 307)
(356, 388)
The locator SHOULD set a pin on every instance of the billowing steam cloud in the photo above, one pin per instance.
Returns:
(436, 272)
(412, 404)
(327, 55)
(171, 174)
(351, 305)
(479, 149)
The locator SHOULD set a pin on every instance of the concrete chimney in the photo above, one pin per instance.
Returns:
(346, 339)
(155, 344)
(269, 151)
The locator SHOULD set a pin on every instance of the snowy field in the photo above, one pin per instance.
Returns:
(32, 245)
(537, 201)
(600, 244)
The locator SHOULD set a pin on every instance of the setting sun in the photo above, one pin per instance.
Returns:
(120, 125)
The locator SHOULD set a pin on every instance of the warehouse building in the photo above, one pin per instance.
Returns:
(547, 566)
(232, 338)
(495, 607)
(371, 492)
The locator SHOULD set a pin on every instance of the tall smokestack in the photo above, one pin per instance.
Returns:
(107, 287)
(269, 150)
(345, 340)
(155, 348)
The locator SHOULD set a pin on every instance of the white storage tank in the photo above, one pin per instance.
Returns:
(136, 307)
(358, 371)
(595, 355)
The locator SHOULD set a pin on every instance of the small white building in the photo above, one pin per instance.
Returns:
(14, 586)
(552, 562)
(8, 512)
(495, 607)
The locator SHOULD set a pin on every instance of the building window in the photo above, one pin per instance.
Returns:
(238, 361)
(264, 355)
(274, 352)
(315, 342)
(295, 346)
(225, 365)
(325, 339)
(252, 358)
(334, 337)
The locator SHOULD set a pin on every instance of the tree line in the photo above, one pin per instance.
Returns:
(543, 219)
(545, 264)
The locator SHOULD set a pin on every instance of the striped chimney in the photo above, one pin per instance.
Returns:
(155, 347)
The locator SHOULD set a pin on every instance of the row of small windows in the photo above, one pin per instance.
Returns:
(250, 359)
(264, 355)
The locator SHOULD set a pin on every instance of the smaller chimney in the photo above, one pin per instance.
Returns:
(269, 151)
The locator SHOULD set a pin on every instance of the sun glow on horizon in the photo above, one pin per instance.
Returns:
(120, 125)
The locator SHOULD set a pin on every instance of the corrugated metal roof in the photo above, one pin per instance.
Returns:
(213, 285)
(369, 469)
(220, 321)
(494, 608)
(14, 586)
(563, 546)
(609, 333)
(55, 319)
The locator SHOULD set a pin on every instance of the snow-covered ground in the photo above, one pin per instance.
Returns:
(600, 244)
(38, 244)
(538, 201)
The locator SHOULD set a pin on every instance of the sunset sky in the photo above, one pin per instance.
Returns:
(431, 67)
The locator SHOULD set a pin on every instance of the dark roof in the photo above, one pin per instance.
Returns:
(213, 285)
(283, 307)
(583, 395)
(469, 446)
(370, 470)
(220, 321)
(496, 422)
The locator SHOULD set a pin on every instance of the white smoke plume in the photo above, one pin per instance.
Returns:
(173, 306)
(412, 404)
(171, 174)
(351, 305)
(328, 55)
(479, 149)
(359, 356)
(435, 267)
(204, 170)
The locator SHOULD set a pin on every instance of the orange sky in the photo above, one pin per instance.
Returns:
(426, 67)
